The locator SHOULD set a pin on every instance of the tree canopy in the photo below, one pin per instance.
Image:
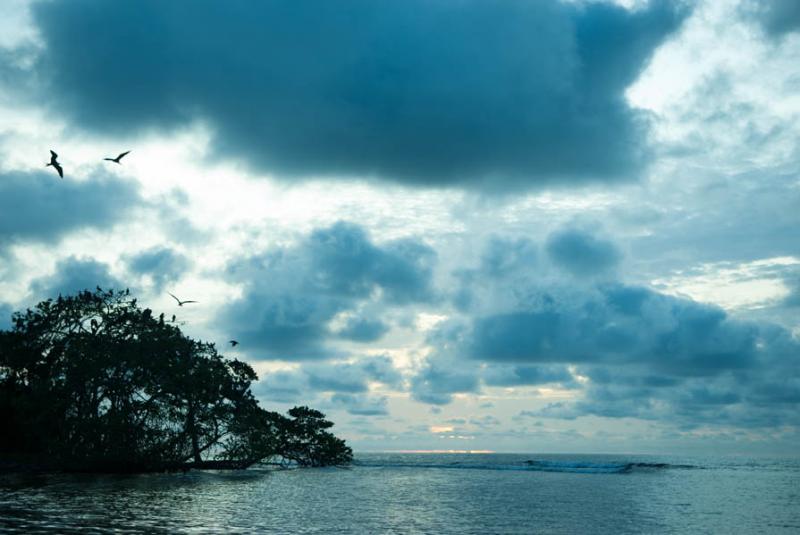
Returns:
(94, 382)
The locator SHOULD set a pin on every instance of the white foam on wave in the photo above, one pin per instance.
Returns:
(577, 466)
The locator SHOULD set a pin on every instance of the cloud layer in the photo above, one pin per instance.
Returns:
(323, 288)
(347, 384)
(74, 275)
(780, 17)
(38, 207)
(501, 94)
(625, 350)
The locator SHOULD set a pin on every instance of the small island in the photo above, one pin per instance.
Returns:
(94, 383)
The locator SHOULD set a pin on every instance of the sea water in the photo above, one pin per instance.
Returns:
(424, 493)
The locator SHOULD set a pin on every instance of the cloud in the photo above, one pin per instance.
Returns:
(581, 253)
(350, 378)
(39, 207)
(502, 258)
(283, 386)
(557, 409)
(161, 264)
(381, 369)
(779, 17)
(762, 395)
(636, 352)
(525, 375)
(439, 379)
(361, 405)
(333, 378)
(792, 299)
(346, 262)
(73, 275)
(443, 375)
(492, 94)
(484, 422)
(293, 294)
(359, 329)
(670, 334)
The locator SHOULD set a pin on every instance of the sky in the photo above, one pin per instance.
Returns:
(520, 226)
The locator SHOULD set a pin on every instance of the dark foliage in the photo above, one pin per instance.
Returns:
(93, 382)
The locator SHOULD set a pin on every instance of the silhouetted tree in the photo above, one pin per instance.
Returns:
(93, 382)
(306, 441)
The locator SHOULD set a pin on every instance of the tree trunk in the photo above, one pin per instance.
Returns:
(191, 428)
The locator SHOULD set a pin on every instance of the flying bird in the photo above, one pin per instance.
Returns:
(118, 158)
(55, 164)
(181, 303)
(233, 343)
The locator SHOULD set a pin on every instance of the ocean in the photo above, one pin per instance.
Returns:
(424, 493)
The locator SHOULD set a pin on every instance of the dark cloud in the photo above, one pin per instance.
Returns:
(361, 329)
(15, 78)
(779, 17)
(382, 370)
(346, 262)
(500, 94)
(637, 353)
(351, 379)
(361, 405)
(161, 264)
(73, 275)
(582, 253)
(39, 206)
(525, 375)
(439, 379)
(764, 395)
(293, 294)
(652, 356)
(669, 334)
(557, 409)
(793, 298)
(283, 386)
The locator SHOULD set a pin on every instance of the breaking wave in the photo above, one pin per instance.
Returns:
(577, 467)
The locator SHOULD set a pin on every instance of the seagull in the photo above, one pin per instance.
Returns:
(55, 164)
(181, 303)
(233, 343)
(118, 158)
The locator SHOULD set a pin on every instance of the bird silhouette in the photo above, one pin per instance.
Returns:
(55, 164)
(181, 303)
(118, 158)
(233, 343)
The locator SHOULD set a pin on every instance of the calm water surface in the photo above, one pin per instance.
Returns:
(424, 493)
